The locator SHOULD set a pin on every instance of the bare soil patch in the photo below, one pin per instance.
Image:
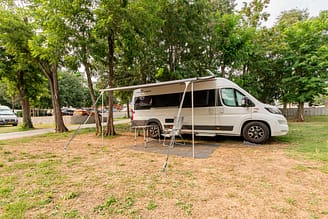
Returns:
(118, 181)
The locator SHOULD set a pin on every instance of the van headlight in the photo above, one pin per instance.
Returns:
(273, 110)
(282, 122)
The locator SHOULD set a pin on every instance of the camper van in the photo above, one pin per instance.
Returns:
(219, 107)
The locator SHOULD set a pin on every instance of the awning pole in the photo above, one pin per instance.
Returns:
(177, 117)
(102, 118)
(192, 120)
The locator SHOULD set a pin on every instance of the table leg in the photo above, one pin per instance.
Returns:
(144, 132)
(135, 137)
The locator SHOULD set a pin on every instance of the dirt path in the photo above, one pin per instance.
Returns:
(236, 181)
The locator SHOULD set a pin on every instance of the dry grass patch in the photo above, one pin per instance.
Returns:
(40, 179)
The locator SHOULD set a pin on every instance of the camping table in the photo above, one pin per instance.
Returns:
(145, 129)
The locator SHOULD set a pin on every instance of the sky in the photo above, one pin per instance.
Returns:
(277, 6)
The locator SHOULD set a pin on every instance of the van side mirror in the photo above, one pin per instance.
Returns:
(246, 102)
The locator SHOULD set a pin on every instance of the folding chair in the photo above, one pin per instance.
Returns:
(174, 132)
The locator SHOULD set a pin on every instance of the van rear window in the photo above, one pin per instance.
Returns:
(165, 100)
(142, 102)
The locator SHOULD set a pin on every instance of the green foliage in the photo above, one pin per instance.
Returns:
(253, 12)
(18, 68)
(232, 42)
(71, 90)
(288, 61)
(5, 99)
(132, 42)
(306, 52)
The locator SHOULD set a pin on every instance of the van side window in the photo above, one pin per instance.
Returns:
(231, 97)
(165, 100)
(142, 102)
(202, 98)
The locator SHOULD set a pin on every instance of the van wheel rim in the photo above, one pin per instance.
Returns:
(154, 131)
(255, 132)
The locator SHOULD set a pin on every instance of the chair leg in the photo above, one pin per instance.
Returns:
(182, 141)
(169, 141)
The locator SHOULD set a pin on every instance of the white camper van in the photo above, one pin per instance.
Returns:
(220, 107)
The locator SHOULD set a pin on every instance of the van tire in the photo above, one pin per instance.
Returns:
(155, 130)
(256, 132)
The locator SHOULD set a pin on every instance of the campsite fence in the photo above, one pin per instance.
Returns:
(320, 111)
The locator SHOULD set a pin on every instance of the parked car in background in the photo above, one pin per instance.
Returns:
(81, 112)
(67, 111)
(7, 116)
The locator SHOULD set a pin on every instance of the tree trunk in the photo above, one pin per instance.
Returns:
(93, 98)
(25, 103)
(171, 61)
(300, 112)
(284, 110)
(110, 121)
(26, 110)
(51, 73)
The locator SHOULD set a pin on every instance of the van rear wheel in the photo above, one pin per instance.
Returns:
(154, 130)
(256, 132)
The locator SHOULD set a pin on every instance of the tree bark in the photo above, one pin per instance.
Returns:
(284, 110)
(300, 112)
(24, 101)
(50, 70)
(93, 98)
(110, 121)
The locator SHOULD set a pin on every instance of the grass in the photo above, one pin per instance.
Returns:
(309, 138)
(31, 181)
(30, 188)
(118, 128)
(9, 128)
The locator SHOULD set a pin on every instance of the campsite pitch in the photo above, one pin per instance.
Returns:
(202, 149)
(41, 180)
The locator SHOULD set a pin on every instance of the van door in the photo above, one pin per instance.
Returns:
(204, 111)
(230, 112)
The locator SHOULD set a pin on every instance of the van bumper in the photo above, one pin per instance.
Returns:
(281, 127)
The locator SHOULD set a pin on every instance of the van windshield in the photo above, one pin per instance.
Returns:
(6, 112)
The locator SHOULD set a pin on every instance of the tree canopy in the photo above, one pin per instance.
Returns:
(123, 42)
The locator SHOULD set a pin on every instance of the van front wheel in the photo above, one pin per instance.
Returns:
(154, 130)
(256, 132)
